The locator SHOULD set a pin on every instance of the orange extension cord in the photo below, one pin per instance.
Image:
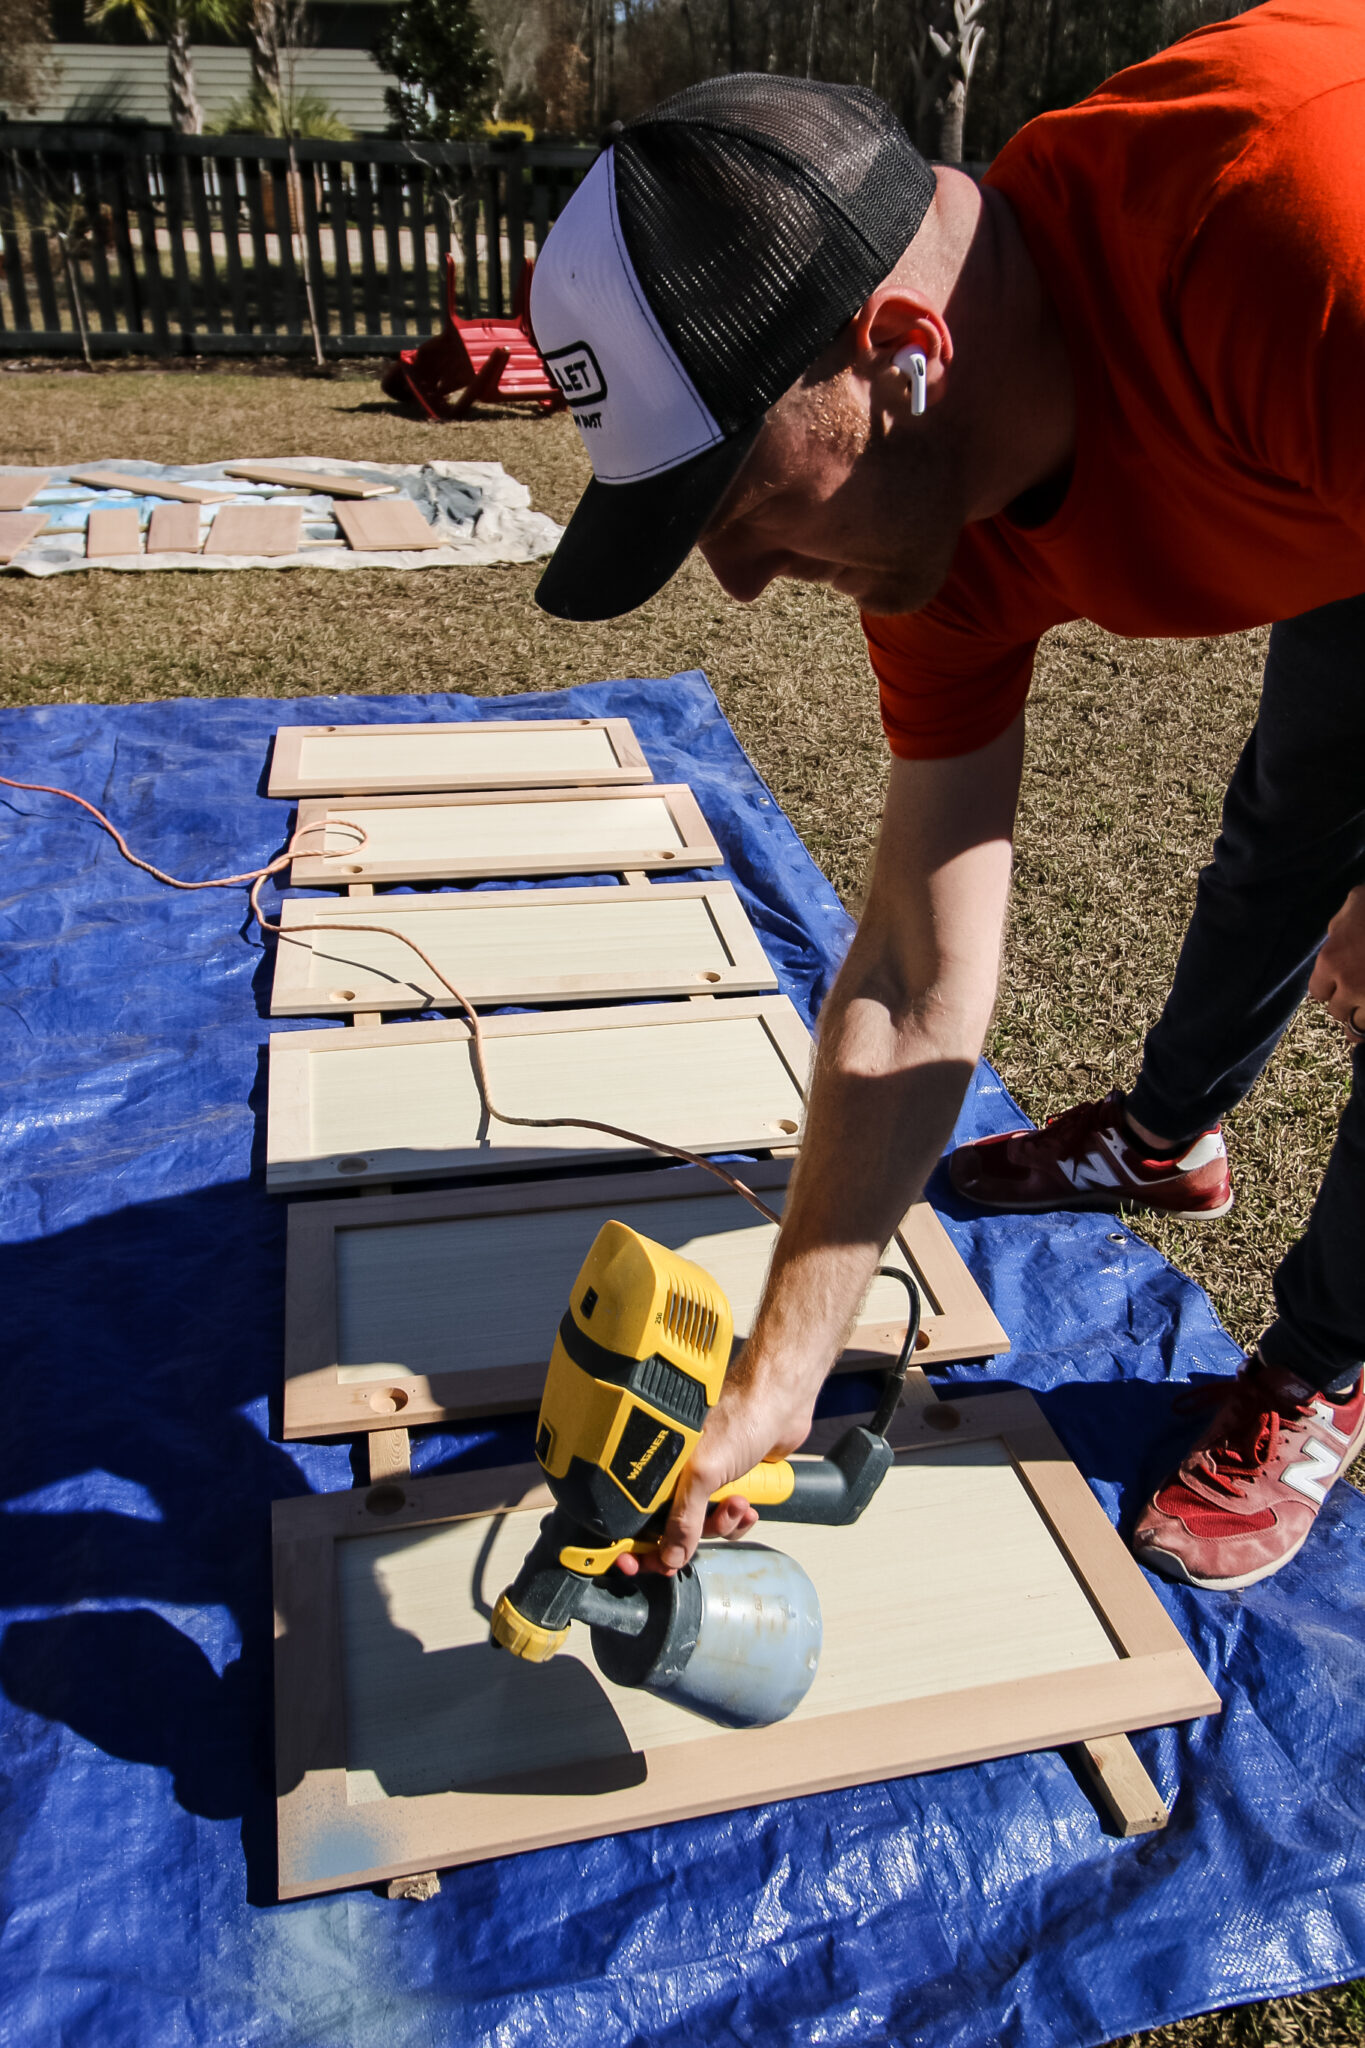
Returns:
(257, 876)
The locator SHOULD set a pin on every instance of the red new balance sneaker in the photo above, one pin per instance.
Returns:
(1088, 1159)
(1242, 1502)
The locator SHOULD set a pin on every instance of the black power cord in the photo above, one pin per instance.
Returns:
(893, 1386)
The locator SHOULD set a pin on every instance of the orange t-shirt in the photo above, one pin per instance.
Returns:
(1200, 225)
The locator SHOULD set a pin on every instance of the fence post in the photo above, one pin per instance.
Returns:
(516, 219)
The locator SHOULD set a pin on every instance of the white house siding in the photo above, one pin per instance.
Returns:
(349, 80)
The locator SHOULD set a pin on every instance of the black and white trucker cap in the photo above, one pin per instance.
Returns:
(711, 254)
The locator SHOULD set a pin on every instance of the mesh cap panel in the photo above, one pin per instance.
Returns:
(759, 214)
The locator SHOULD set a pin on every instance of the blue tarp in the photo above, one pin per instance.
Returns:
(141, 1275)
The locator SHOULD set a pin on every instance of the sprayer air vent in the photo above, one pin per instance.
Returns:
(690, 1322)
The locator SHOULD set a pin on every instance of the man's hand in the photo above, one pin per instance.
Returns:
(1338, 977)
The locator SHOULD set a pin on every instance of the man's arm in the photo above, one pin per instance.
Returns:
(899, 1039)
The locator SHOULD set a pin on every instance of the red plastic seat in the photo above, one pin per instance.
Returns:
(478, 359)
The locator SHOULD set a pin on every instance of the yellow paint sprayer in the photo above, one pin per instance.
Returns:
(639, 1360)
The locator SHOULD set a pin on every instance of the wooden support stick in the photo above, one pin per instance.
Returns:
(390, 1454)
(419, 1888)
(1110, 1767)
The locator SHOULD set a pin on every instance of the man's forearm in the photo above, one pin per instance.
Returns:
(892, 1071)
(899, 1037)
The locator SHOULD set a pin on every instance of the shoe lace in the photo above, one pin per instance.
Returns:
(1071, 1124)
(1249, 1437)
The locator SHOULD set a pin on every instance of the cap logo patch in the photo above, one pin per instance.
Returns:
(578, 374)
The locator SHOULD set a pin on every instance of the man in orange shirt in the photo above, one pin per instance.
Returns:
(1121, 380)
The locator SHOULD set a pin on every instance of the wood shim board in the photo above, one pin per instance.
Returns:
(480, 753)
(399, 1101)
(392, 523)
(431, 1306)
(19, 486)
(171, 530)
(475, 836)
(148, 486)
(112, 530)
(284, 474)
(983, 1606)
(17, 529)
(517, 946)
(255, 530)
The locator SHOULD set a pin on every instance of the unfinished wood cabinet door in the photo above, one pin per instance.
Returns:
(112, 530)
(173, 530)
(18, 486)
(17, 529)
(429, 1307)
(255, 530)
(482, 753)
(400, 1101)
(515, 832)
(516, 946)
(982, 1606)
(391, 524)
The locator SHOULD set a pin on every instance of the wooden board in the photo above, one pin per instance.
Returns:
(517, 946)
(513, 832)
(255, 530)
(172, 530)
(149, 486)
(982, 1606)
(435, 1306)
(399, 1101)
(330, 485)
(482, 753)
(19, 486)
(113, 530)
(393, 523)
(17, 529)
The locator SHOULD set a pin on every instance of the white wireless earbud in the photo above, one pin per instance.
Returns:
(911, 364)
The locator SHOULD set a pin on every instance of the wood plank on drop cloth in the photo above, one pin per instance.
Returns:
(391, 523)
(475, 835)
(255, 530)
(330, 485)
(112, 530)
(173, 529)
(19, 486)
(405, 1743)
(468, 754)
(17, 529)
(149, 486)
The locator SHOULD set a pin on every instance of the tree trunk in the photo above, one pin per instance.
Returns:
(187, 116)
(951, 117)
(263, 29)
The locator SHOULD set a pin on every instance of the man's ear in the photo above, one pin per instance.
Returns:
(897, 319)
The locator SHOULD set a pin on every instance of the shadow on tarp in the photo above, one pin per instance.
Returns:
(142, 1289)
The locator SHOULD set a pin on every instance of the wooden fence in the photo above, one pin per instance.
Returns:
(147, 242)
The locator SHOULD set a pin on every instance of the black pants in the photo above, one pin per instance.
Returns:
(1291, 849)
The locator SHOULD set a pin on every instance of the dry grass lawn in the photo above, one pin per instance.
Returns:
(1130, 747)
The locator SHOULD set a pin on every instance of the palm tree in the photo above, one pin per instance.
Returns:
(174, 22)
